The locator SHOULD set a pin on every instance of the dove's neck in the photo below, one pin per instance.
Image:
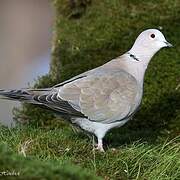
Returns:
(137, 60)
(143, 55)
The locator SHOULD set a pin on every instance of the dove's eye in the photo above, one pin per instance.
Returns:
(152, 35)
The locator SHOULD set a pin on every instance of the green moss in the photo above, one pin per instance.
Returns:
(106, 29)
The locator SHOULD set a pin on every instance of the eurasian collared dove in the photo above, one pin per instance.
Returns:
(102, 98)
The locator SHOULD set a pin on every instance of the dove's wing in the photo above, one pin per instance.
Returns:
(82, 75)
(103, 97)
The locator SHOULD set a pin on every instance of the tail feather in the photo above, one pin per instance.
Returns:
(42, 97)
(24, 95)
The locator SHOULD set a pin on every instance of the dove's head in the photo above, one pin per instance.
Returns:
(148, 43)
(152, 38)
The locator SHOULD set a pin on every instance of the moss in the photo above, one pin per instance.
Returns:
(72, 8)
(106, 29)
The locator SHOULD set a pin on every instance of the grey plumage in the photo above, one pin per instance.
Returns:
(103, 98)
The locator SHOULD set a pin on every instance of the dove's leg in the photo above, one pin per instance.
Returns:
(96, 128)
(100, 145)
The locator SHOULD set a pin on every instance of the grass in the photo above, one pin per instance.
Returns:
(88, 34)
(59, 149)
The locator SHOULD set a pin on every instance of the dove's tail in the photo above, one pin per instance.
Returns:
(23, 95)
(45, 98)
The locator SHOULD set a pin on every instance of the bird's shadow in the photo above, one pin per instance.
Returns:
(148, 123)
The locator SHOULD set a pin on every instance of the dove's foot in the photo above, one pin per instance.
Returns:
(99, 146)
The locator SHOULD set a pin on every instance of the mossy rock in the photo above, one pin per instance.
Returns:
(106, 29)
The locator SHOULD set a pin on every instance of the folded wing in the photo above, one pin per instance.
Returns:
(103, 97)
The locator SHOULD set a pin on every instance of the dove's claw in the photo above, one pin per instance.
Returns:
(100, 146)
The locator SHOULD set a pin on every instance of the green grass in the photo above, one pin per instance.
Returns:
(34, 154)
(64, 152)
(88, 34)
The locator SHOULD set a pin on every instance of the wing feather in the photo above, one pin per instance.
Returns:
(103, 97)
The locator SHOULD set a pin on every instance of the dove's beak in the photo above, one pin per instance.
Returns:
(168, 44)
